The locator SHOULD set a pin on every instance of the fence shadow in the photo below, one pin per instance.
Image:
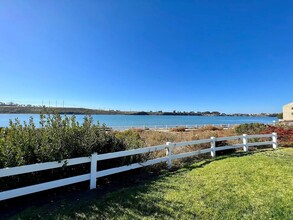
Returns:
(204, 162)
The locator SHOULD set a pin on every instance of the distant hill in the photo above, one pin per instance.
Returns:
(38, 110)
(29, 109)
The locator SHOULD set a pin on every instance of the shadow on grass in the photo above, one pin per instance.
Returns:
(204, 162)
(129, 203)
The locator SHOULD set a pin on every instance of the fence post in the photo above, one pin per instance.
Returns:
(245, 147)
(169, 154)
(274, 139)
(213, 146)
(93, 181)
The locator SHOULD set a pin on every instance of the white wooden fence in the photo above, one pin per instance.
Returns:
(93, 175)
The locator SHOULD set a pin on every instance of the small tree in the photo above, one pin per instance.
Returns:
(280, 116)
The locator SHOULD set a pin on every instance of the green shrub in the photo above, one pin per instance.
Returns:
(250, 128)
(280, 116)
(56, 138)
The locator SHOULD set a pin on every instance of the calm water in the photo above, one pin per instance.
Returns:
(124, 121)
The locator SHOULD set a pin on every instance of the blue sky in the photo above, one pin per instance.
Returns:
(228, 56)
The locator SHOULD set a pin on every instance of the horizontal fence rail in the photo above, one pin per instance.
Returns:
(130, 152)
(42, 166)
(130, 167)
(43, 186)
(94, 174)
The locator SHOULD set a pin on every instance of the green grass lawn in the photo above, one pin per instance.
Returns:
(254, 186)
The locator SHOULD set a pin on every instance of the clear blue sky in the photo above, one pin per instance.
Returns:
(228, 56)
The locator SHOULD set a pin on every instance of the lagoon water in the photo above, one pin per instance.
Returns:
(151, 121)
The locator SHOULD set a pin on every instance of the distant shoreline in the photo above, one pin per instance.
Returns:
(85, 111)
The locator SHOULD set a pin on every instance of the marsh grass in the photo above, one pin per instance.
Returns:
(152, 138)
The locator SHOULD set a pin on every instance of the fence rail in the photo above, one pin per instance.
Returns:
(94, 174)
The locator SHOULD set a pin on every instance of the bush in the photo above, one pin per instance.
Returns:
(280, 116)
(209, 128)
(178, 129)
(250, 128)
(285, 134)
(57, 138)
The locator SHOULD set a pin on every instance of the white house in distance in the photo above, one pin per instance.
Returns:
(288, 112)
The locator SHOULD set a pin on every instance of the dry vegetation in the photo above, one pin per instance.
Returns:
(152, 138)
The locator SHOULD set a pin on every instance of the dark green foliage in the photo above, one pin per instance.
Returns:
(280, 116)
(57, 138)
(252, 128)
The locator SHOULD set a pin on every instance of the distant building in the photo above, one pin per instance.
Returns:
(288, 112)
